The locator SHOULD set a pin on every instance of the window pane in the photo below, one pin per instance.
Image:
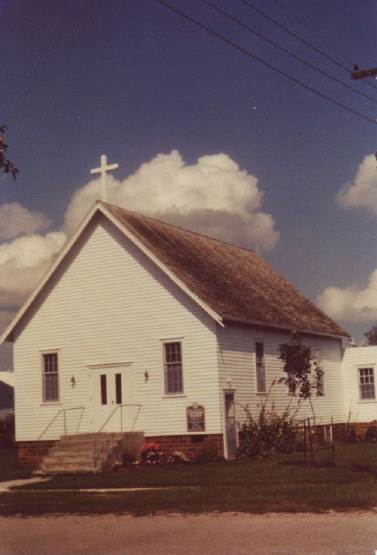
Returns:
(50, 377)
(291, 385)
(103, 379)
(366, 381)
(261, 371)
(118, 389)
(51, 387)
(173, 368)
(319, 367)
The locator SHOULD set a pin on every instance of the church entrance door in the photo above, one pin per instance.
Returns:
(111, 398)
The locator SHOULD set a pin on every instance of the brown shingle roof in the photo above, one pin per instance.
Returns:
(233, 282)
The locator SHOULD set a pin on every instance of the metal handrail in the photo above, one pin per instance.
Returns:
(95, 455)
(64, 422)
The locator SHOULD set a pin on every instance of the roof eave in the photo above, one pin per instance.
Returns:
(234, 320)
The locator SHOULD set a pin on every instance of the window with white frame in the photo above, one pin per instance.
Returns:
(319, 369)
(366, 383)
(50, 377)
(260, 367)
(173, 369)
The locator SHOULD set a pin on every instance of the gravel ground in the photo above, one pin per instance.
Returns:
(224, 534)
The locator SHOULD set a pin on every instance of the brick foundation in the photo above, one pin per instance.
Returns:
(27, 452)
(358, 430)
(190, 445)
(338, 431)
(343, 432)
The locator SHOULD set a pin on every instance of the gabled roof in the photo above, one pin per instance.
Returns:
(230, 283)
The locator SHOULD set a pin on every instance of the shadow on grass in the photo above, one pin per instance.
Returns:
(294, 463)
(311, 464)
(365, 469)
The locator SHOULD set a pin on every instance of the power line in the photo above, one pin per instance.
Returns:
(249, 5)
(287, 51)
(270, 66)
(304, 24)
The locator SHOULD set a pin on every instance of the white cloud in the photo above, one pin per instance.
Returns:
(362, 192)
(23, 262)
(213, 197)
(354, 303)
(16, 220)
(351, 303)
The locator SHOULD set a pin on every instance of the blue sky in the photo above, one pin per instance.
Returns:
(205, 135)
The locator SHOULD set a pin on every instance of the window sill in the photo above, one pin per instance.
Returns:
(174, 396)
(366, 401)
(49, 403)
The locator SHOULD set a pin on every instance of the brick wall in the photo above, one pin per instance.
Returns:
(27, 452)
(344, 432)
(190, 445)
(338, 431)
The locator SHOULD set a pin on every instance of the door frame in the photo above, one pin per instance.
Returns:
(93, 369)
(226, 392)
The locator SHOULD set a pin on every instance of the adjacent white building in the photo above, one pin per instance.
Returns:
(359, 371)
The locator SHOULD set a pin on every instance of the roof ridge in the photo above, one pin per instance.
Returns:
(183, 229)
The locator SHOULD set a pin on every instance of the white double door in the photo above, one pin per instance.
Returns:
(111, 399)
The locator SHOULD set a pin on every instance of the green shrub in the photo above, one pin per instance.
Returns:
(208, 455)
(151, 454)
(269, 433)
(176, 458)
(128, 460)
(371, 434)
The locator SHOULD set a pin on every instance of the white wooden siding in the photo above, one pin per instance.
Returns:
(108, 303)
(359, 410)
(237, 361)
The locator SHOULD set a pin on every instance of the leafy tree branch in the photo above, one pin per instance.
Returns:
(6, 166)
(303, 373)
(371, 335)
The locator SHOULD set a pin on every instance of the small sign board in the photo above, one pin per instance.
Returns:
(195, 418)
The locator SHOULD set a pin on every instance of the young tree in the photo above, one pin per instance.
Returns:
(6, 166)
(303, 374)
(371, 335)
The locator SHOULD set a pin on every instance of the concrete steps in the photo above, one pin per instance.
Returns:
(90, 452)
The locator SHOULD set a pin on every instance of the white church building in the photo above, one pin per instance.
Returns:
(143, 326)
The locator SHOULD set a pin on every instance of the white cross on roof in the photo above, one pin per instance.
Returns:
(102, 170)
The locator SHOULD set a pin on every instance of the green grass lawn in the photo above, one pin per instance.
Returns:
(280, 484)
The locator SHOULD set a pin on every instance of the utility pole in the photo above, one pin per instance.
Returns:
(363, 73)
(360, 75)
